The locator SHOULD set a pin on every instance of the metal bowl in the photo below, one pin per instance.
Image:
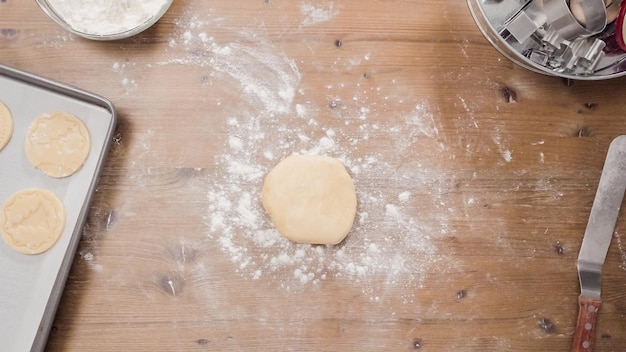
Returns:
(49, 10)
(527, 32)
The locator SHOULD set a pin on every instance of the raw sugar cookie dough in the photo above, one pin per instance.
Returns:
(310, 199)
(6, 126)
(57, 144)
(32, 221)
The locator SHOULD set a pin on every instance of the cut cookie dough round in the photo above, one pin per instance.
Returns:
(57, 144)
(32, 221)
(6, 126)
(310, 199)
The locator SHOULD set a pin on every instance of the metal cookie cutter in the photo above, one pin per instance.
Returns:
(589, 19)
(566, 38)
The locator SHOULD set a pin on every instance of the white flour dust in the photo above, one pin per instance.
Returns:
(268, 126)
(236, 219)
(317, 14)
(128, 84)
(58, 41)
(389, 241)
(89, 258)
(266, 76)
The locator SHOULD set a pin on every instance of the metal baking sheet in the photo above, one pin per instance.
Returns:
(31, 285)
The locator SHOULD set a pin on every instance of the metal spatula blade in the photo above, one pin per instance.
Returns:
(595, 246)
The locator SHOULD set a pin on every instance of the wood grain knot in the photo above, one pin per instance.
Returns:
(582, 132)
(509, 94)
(172, 284)
(546, 325)
(189, 172)
(416, 343)
(590, 106)
(118, 136)
(117, 139)
(338, 43)
(10, 33)
(109, 220)
(202, 342)
(587, 107)
(558, 248)
(100, 219)
(460, 294)
(181, 252)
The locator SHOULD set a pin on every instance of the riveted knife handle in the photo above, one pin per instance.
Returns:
(586, 325)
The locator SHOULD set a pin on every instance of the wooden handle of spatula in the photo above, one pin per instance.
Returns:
(586, 325)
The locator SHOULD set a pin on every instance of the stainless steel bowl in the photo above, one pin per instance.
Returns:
(545, 36)
(50, 11)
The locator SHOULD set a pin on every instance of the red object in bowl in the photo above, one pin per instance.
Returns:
(619, 26)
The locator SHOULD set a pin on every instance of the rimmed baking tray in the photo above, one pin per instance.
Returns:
(31, 285)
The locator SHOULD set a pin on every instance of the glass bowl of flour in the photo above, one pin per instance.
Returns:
(105, 19)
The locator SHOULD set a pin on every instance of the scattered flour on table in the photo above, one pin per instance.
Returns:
(122, 69)
(89, 258)
(388, 240)
(317, 14)
(505, 153)
(274, 121)
(236, 219)
(266, 76)
(58, 41)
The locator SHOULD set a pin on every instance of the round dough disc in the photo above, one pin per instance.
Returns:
(6, 126)
(32, 221)
(57, 144)
(310, 199)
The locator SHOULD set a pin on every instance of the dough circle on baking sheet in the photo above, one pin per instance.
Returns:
(6, 126)
(32, 221)
(57, 144)
(310, 199)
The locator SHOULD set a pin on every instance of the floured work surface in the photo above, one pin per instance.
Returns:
(31, 284)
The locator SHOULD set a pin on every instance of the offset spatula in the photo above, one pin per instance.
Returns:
(598, 235)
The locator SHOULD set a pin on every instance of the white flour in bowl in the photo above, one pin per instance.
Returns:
(105, 17)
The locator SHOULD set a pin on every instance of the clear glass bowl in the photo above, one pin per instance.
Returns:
(49, 10)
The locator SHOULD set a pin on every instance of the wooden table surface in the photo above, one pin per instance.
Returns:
(475, 179)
